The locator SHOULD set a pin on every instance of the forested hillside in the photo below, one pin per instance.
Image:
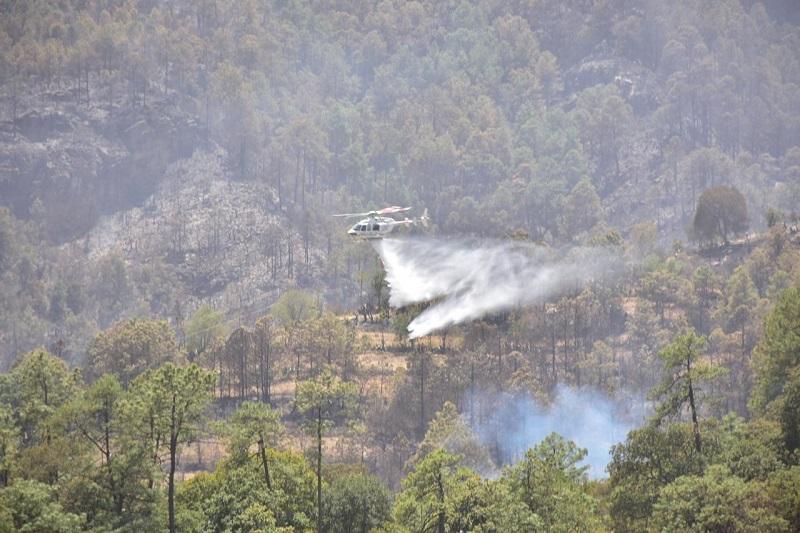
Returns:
(191, 342)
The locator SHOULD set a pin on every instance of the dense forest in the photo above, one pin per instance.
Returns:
(190, 342)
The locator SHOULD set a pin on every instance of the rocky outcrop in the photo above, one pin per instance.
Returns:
(636, 83)
(224, 241)
(69, 165)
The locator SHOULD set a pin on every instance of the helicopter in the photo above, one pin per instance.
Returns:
(377, 225)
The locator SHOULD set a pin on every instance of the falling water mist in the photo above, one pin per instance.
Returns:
(470, 279)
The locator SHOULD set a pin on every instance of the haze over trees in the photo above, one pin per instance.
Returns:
(487, 115)
(189, 342)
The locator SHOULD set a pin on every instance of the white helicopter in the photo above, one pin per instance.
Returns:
(377, 226)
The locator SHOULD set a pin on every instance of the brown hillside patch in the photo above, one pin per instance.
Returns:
(283, 388)
(381, 361)
(378, 368)
(629, 305)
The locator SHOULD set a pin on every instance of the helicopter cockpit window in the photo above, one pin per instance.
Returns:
(361, 227)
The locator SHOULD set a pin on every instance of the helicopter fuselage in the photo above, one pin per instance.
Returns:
(375, 227)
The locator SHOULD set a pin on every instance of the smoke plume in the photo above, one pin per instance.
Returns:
(471, 279)
(513, 423)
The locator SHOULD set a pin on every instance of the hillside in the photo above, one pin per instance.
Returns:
(488, 117)
(597, 331)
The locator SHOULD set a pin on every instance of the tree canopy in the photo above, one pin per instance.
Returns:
(721, 212)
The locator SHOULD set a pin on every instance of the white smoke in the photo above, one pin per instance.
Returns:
(515, 423)
(475, 278)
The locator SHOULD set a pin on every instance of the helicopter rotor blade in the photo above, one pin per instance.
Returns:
(352, 215)
(393, 209)
(385, 211)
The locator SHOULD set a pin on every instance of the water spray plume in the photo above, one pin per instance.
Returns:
(470, 279)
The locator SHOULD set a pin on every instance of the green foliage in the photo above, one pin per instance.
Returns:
(649, 459)
(449, 432)
(659, 480)
(39, 384)
(203, 328)
(9, 443)
(721, 212)
(604, 117)
(322, 400)
(704, 283)
(422, 505)
(777, 355)
(355, 503)
(332, 338)
(490, 506)
(741, 300)
(112, 288)
(582, 208)
(789, 414)
(683, 377)
(130, 347)
(750, 450)
(550, 482)
(662, 287)
(116, 493)
(293, 307)
(400, 325)
(30, 507)
(783, 489)
(38, 440)
(716, 501)
(325, 398)
(234, 497)
(165, 406)
(170, 400)
(544, 491)
(253, 423)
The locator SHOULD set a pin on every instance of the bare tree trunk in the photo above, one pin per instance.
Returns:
(440, 520)
(695, 425)
(421, 395)
(173, 448)
(319, 469)
(263, 451)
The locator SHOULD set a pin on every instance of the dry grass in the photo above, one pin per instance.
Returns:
(378, 368)
(283, 388)
(201, 456)
(629, 305)
(381, 361)
(371, 339)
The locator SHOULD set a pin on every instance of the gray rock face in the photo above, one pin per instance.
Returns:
(38, 126)
(89, 160)
(636, 83)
